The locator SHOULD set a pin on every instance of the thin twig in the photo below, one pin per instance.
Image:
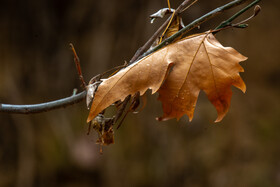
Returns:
(193, 25)
(228, 21)
(148, 44)
(78, 65)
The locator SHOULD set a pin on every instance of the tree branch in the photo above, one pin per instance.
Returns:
(44, 107)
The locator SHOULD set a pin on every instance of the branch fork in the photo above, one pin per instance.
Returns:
(141, 52)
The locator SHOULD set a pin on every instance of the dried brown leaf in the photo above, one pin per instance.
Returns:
(200, 63)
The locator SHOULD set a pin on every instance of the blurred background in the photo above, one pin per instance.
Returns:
(52, 148)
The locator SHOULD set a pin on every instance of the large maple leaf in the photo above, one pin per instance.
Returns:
(178, 72)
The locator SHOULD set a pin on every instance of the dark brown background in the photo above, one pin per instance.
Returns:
(52, 149)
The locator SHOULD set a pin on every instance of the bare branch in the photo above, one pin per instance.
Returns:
(43, 107)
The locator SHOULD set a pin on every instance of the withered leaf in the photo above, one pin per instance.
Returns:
(199, 62)
(104, 127)
(161, 13)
